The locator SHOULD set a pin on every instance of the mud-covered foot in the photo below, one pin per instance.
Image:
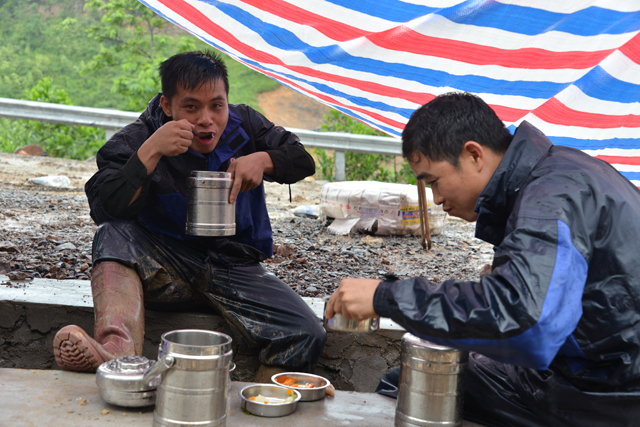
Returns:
(74, 350)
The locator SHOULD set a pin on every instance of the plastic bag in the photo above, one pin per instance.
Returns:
(380, 207)
(52, 181)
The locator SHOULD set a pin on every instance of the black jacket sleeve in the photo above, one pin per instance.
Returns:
(291, 161)
(120, 174)
(118, 189)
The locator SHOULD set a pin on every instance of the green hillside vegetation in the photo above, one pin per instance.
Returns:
(54, 38)
(105, 54)
(92, 54)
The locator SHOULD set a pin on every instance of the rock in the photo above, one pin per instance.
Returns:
(31, 150)
(17, 275)
(66, 246)
(8, 247)
(285, 251)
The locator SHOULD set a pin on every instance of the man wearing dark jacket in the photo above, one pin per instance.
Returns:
(554, 329)
(141, 254)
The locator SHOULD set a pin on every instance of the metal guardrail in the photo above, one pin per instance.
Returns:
(113, 120)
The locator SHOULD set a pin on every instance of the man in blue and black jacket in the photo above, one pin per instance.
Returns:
(554, 329)
(141, 254)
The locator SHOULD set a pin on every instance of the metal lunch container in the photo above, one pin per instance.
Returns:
(431, 384)
(339, 323)
(209, 212)
(195, 385)
(121, 382)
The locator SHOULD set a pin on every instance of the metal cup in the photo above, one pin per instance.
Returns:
(431, 384)
(339, 323)
(209, 212)
(194, 387)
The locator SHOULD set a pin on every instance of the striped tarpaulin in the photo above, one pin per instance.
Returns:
(569, 67)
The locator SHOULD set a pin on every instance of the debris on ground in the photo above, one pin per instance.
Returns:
(48, 234)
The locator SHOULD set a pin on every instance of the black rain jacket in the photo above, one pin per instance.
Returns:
(564, 292)
(162, 204)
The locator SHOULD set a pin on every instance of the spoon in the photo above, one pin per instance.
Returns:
(205, 135)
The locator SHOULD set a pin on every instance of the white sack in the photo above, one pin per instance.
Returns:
(392, 207)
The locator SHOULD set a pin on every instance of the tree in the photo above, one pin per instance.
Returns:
(73, 142)
(133, 38)
(361, 166)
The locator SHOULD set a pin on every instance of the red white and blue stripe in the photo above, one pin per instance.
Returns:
(570, 67)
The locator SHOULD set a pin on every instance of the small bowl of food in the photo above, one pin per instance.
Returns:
(268, 400)
(311, 387)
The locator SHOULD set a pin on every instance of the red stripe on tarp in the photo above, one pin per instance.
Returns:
(631, 49)
(200, 20)
(365, 85)
(554, 111)
(333, 29)
(404, 39)
(508, 114)
(620, 160)
(194, 16)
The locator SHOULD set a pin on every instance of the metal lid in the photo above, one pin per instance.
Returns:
(208, 179)
(195, 342)
(416, 347)
(125, 374)
(210, 174)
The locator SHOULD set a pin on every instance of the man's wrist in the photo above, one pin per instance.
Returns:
(266, 162)
(149, 156)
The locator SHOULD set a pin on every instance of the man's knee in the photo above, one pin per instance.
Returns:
(313, 329)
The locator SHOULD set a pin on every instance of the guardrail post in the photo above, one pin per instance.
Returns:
(340, 165)
(111, 132)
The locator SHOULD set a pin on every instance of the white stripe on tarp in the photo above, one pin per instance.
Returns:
(577, 132)
(626, 168)
(575, 99)
(619, 66)
(554, 41)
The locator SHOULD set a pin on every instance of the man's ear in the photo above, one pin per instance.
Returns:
(475, 152)
(166, 105)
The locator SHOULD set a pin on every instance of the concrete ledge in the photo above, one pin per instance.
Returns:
(32, 312)
(70, 399)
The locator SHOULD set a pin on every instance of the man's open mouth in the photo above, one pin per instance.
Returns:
(204, 135)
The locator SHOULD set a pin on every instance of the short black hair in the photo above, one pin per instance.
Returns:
(440, 128)
(191, 69)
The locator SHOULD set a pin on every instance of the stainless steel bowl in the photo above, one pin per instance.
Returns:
(339, 323)
(268, 409)
(307, 394)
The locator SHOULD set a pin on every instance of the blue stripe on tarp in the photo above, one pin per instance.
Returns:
(561, 311)
(631, 176)
(517, 19)
(394, 11)
(599, 84)
(334, 54)
(595, 144)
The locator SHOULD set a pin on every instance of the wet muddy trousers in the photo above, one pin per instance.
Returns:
(264, 313)
(119, 321)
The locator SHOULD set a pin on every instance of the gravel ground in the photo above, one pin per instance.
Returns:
(48, 234)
